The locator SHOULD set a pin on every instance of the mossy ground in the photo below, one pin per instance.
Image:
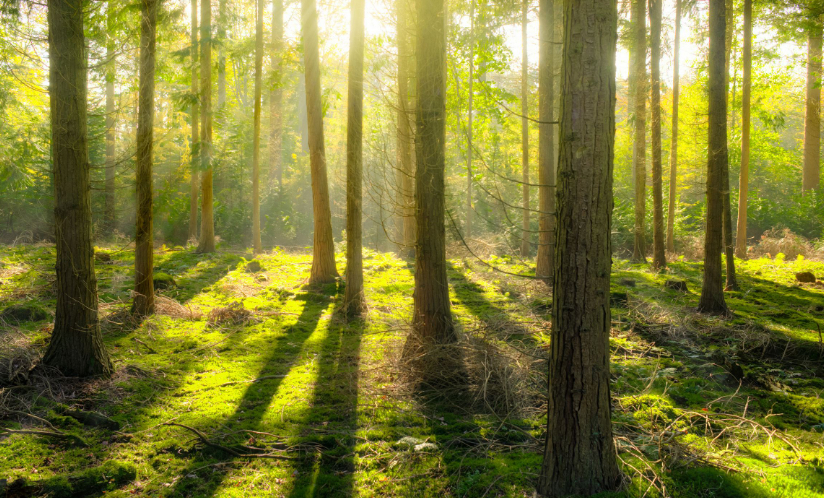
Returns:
(327, 390)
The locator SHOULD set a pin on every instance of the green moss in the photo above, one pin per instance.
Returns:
(163, 280)
(109, 476)
(24, 312)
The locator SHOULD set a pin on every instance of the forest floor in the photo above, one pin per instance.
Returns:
(276, 395)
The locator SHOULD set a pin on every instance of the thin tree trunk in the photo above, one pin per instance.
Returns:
(256, 244)
(221, 54)
(525, 249)
(639, 151)
(323, 259)
(109, 215)
(144, 299)
(275, 153)
(76, 345)
(812, 116)
(195, 147)
(659, 258)
(743, 179)
(580, 456)
(674, 142)
(729, 256)
(712, 291)
(546, 143)
(406, 150)
(469, 151)
(207, 223)
(354, 302)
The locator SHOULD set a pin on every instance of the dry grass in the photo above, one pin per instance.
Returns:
(782, 240)
(234, 314)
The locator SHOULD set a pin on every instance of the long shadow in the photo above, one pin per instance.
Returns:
(220, 264)
(256, 398)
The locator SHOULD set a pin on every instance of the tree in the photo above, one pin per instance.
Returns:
(76, 345)
(659, 258)
(524, 130)
(256, 245)
(221, 54)
(546, 142)
(812, 116)
(195, 118)
(732, 284)
(638, 81)
(406, 150)
(471, 92)
(676, 82)
(354, 302)
(580, 456)
(275, 168)
(712, 292)
(323, 257)
(207, 222)
(743, 179)
(111, 123)
(144, 299)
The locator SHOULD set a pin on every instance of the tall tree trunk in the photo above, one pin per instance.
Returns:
(743, 179)
(195, 147)
(221, 54)
(580, 457)
(546, 142)
(525, 249)
(659, 258)
(676, 83)
(729, 256)
(712, 291)
(469, 151)
(812, 117)
(144, 299)
(323, 258)
(639, 159)
(354, 302)
(275, 153)
(432, 319)
(76, 345)
(111, 69)
(207, 222)
(256, 244)
(406, 150)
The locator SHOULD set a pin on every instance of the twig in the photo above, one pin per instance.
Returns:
(205, 440)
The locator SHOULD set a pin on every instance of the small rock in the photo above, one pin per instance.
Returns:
(676, 285)
(627, 282)
(805, 277)
(253, 266)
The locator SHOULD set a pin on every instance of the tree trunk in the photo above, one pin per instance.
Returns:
(729, 256)
(546, 143)
(812, 118)
(743, 179)
(323, 258)
(659, 258)
(525, 249)
(674, 142)
(144, 299)
(109, 215)
(712, 292)
(256, 245)
(195, 147)
(580, 457)
(406, 151)
(432, 319)
(354, 302)
(221, 54)
(469, 151)
(275, 140)
(76, 346)
(207, 223)
(639, 151)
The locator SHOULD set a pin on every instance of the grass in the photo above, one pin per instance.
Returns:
(324, 395)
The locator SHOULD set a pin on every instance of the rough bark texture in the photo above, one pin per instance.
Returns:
(109, 214)
(726, 224)
(76, 346)
(195, 148)
(323, 257)
(354, 302)
(525, 231)
(712, 292)
(676, 83)
(144, 299)
(812, 117)
(546, 142)
(580, 457)
(638, 59)
(744, 177)
(469, 152)
(432, 319)
(406, 133)
(659, 258)
(276, 99)
(207, 222)
(256, 245)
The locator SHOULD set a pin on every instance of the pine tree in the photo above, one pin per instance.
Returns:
(812, 116)
(406, 134)
(659, 258)
(743, 179)
(276, 99)
(207, 222)
(676, 83)
(111, 123)
(256, 244)
(195, 148)
(638, 82)
(525, 230)
(546, 143)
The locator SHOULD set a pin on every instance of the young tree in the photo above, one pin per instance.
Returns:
(276, 98)
(406, 150)
(323, 257)
(76, 345)
(207, 222)
(580, 457)
(712, 291)
(812, 116)
(732, 284)
(546, 142)
(144, 299)
(111, 68)
(743, 179)
(525, 249)
(195, 137)
(471, 92)
(638, 81)
(256, 245)
(659, 258)
(676, 81)
(354, 302)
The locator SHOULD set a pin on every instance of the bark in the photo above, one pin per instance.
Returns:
(76, 345)
(276, 100)
(812, 117)
(109, 214)
(729, 256)
(432, 319)
(525, 242)
(659, 258)
(406, 134)
(195, 147)
(712, 292)
(743, 179)
(323, 258)
(144, 299)
(580, 457)
(674, 142)
(256, 244)
(469, 151)
(639, 82)
(546, 143)
(207, 223)
(354, 302)
(221, 54)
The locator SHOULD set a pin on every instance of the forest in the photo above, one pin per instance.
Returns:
(446, 248)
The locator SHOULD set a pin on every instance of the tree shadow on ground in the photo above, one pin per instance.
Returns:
(217, 266)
